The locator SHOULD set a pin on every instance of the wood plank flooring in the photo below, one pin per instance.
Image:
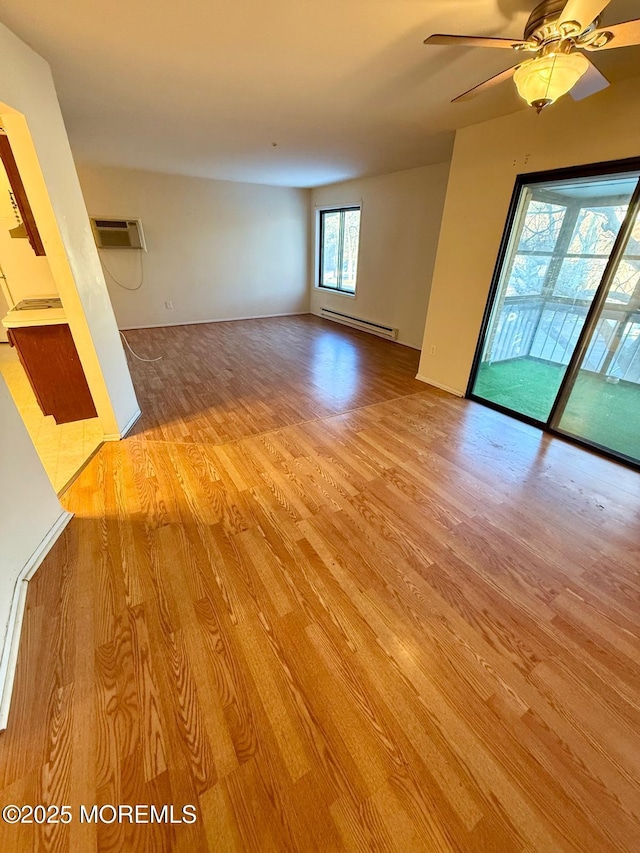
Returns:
(224, 381)
(335, 610)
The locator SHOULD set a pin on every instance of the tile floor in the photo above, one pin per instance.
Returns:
(62, 448)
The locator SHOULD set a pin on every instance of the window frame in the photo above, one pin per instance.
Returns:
(321, 211)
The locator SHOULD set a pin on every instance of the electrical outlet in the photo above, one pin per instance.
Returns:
(433, 350)
(168, 304)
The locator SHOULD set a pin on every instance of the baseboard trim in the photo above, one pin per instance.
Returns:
(116, 436)
(9, 657)
(216, 320)
(397, 341)
(422, 378)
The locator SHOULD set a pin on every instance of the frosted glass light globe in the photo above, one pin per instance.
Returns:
(542, 81)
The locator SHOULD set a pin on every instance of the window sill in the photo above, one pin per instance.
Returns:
(346, 293)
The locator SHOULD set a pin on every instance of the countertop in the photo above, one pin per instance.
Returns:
(38, 317)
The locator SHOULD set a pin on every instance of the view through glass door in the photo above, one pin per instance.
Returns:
(561, 345)
(601, 401)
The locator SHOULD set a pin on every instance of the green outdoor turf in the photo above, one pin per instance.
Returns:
(522, 384)
(597, 411)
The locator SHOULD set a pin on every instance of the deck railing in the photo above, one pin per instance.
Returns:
(548, 329)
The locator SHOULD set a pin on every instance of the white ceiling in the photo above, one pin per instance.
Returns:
(344, 87)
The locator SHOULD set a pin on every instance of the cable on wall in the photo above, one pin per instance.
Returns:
(125, 287)
(135, 354)
(119, 283)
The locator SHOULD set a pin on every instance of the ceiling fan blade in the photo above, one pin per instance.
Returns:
(620, 35)
(479, 41)
(488, 84)
(583, 12)
(591, 82)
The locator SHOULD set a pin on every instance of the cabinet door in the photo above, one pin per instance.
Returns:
(50, 359)
(17, 187)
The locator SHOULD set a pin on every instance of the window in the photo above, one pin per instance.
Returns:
(339, 240)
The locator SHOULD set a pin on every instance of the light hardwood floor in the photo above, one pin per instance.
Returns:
(336, 610)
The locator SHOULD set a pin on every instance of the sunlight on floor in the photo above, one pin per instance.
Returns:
(63, 448)
(335, 367)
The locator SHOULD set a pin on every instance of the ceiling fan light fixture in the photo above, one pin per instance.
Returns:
(544, 80)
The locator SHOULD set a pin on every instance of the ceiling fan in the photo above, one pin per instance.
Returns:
(556, 32)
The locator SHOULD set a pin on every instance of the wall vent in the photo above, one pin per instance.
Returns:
(356, 323)
(118, 233)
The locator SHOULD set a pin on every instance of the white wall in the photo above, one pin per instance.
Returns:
(487, 158)
(30, 113)
(30, 519)
(218, 250)
(401, 215)
(28, 504)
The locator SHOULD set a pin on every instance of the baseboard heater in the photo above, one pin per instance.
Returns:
(363, 325)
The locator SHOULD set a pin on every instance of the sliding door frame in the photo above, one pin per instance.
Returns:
(614, 167)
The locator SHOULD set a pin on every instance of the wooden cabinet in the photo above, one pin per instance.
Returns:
(50, 359)
(17, 187)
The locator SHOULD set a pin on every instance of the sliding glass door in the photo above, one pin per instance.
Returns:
(601, 402)
(561, 340)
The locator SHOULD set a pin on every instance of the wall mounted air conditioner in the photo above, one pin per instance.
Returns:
(118, 233)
